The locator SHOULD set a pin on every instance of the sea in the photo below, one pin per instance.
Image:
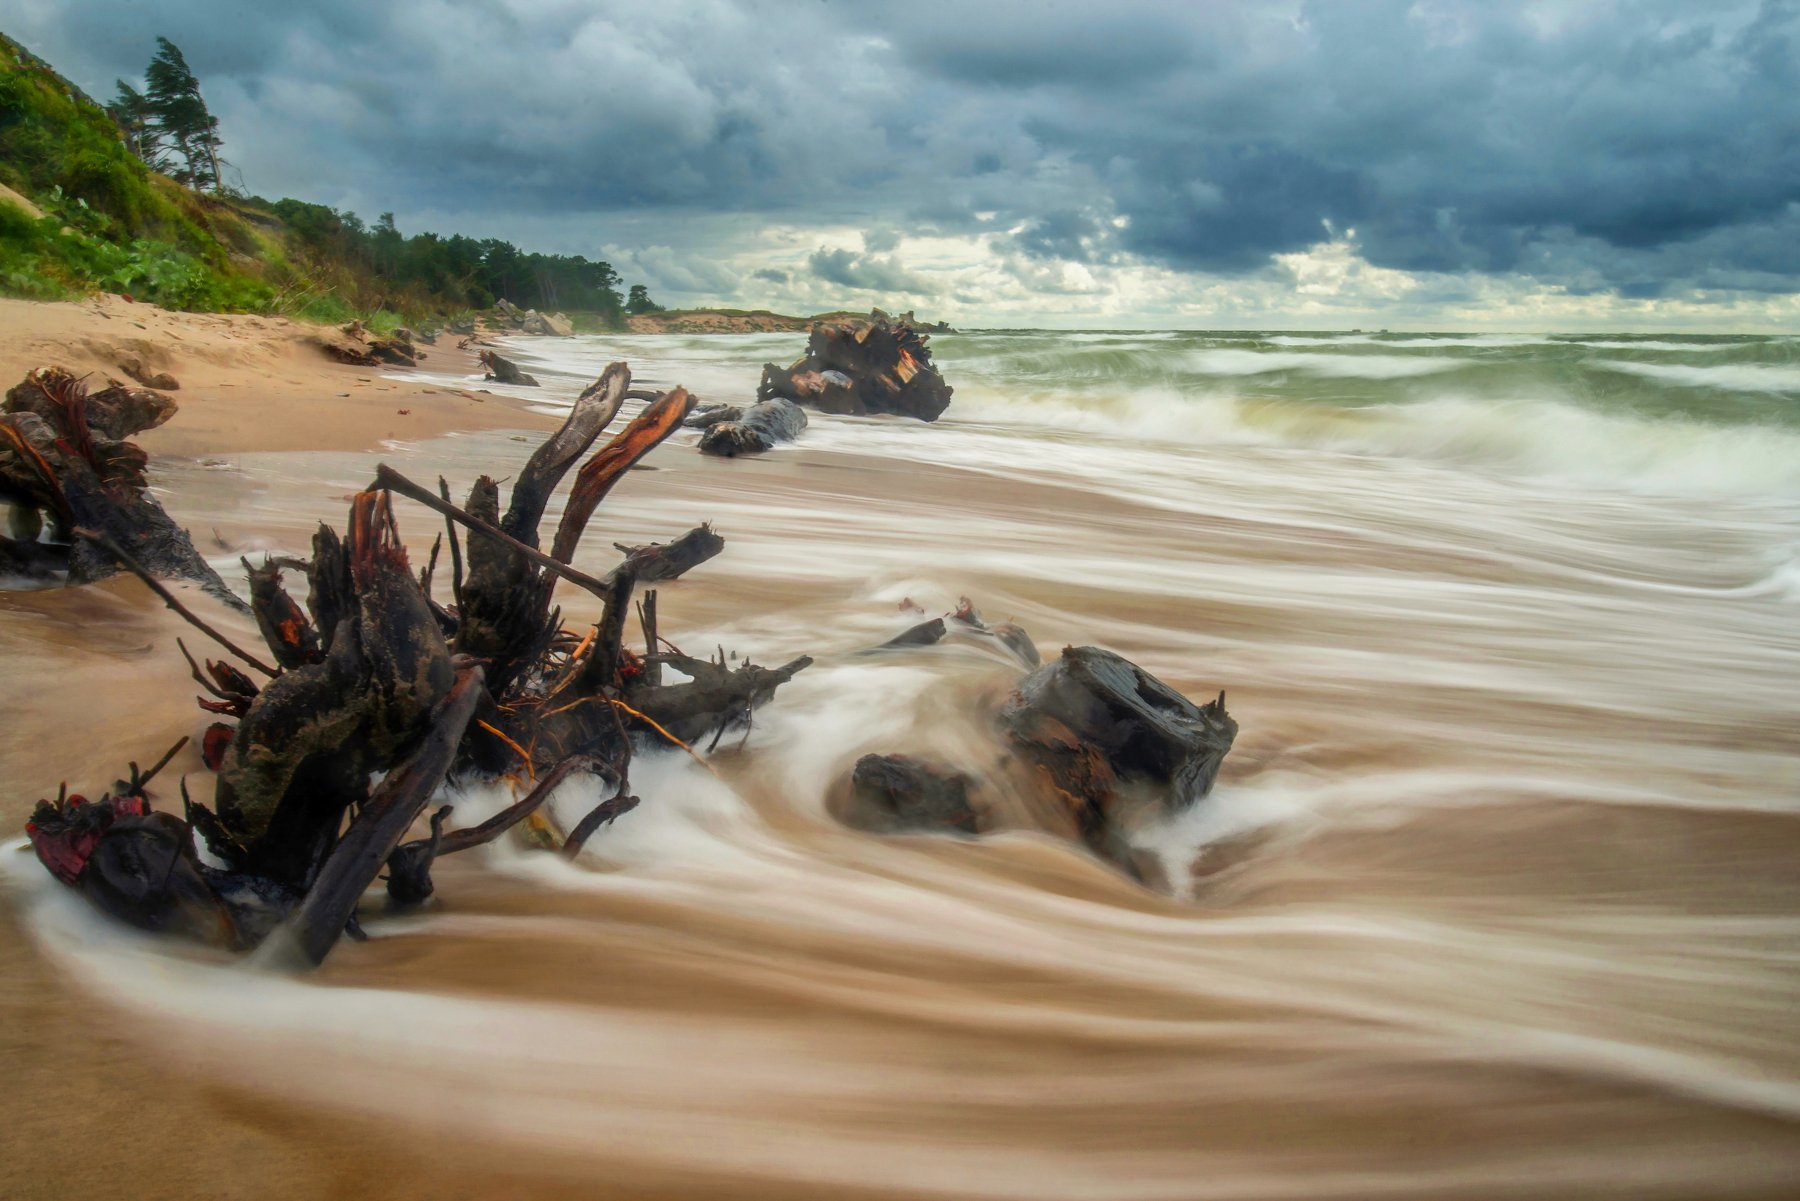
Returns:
(1497, 896)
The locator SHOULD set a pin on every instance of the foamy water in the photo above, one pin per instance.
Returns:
(1495, 896)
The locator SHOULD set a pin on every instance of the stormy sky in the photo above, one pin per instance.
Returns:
(1404, 163)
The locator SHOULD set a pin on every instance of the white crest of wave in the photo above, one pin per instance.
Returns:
(1734, 377)
(1226, 361)
(1526, 436)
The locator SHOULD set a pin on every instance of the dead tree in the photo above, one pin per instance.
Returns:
(374, 680)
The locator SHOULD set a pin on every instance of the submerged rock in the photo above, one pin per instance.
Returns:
(900, 792)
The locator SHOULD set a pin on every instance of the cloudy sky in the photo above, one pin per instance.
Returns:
(1541, 164)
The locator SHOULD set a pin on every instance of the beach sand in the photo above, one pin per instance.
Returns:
(249, 383)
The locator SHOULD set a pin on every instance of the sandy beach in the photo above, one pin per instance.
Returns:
(249, 383)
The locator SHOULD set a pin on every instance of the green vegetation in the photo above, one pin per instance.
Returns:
(118, 187)
(168, 124)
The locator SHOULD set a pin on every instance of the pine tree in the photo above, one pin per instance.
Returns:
(173, 96)
(136, 120)
(640, 302)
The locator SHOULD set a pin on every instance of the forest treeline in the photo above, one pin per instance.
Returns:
(139, 197)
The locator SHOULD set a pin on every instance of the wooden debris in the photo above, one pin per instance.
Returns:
(755, 429)
(505, 371)
(373, 679)
(65, 463)
(877, 365)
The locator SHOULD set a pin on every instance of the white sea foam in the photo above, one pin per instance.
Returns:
(1227, 361)
(1732, 377)
(1528, 436)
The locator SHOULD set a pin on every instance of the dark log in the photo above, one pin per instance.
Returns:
(965, 624)
(358, 857)
(926, 633)
(877, 365)
(371, 690)
(387, 477)
(505, 371)
(114, 413)
(710, 415)
(658, 561)
(715, 696)
(603, 814)
(304, 751)
(762, 426)
(1012, 638)
(1098, 725)
(900, 792)
(133, 864)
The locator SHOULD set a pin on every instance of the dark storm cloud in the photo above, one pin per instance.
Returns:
(1636, 145)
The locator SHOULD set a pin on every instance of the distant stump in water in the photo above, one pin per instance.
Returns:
(877, 365)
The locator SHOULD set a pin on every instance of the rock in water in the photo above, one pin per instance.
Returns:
(759, 427)
(1099, 724)
(878, 365)
(899, 792)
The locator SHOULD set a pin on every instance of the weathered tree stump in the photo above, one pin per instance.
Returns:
(878, 365)
(1102, 730)
(64, 461)
(375, 680)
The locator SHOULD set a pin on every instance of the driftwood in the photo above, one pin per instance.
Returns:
(1104, 733)
(65, 464)
(353, 344)
(505, 371)
(877, 365)
(755, 429)
(966, 625)
(1099, 738)
(373, 679)
(657, 561)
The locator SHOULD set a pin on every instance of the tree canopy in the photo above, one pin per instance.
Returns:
(168, 124)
